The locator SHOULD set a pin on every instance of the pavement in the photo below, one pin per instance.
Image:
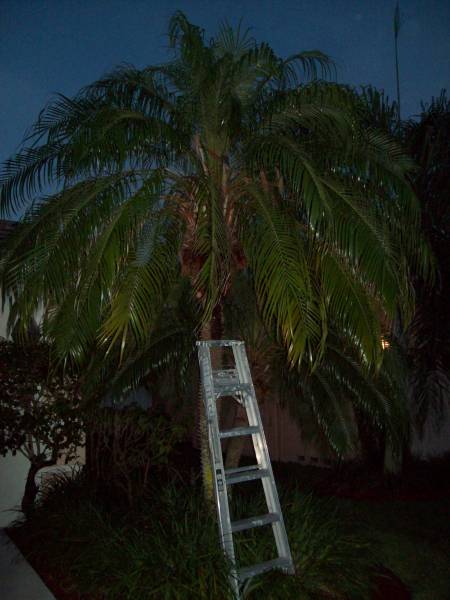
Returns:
(18, 580)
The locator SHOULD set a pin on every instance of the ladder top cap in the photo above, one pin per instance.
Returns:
(210, 343)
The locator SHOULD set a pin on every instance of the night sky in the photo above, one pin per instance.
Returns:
(61, 45)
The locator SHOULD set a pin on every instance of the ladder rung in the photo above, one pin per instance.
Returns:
(242, 469)
(277, 563)
(220, 343)
(229, 387)
(221, 373)
(227, 433)
(225, 382)
(245, 474)
(244, 524)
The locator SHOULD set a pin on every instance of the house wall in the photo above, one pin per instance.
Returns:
(13, 469)
(3, 322)
(287, 443)
(13, 473)
(285, 439)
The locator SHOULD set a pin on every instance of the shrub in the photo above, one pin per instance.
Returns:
(127, 450)
(168, 549)
(40, 410)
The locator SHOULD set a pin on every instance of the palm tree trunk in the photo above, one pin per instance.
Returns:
(205, 456)
(229, 414)
(393, 460)
(236, 445)
(212, 330)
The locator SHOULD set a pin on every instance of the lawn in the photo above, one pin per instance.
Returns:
(408, 519)
(413, 541)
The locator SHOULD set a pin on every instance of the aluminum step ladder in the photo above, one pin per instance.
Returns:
(237, 382)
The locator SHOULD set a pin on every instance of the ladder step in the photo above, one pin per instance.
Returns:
(277, 563)
(245, 524)
(245, 474)
(219, 343)
(228, 373)
(237, 431)
(227, 387)
(242, 469)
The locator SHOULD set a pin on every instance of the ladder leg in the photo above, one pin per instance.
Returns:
(220, 486)
(238, 384)
(262, 456)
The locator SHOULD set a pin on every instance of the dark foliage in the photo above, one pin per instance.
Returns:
(428, 141)
(127, 450)
(39, 410)
(168, 548)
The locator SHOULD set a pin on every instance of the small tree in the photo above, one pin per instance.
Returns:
(40, 413)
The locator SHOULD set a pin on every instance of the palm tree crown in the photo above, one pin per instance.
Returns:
(226, 158)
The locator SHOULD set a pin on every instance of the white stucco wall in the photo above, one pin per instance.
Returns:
(13, 473)
(3, 320)
(13, 470)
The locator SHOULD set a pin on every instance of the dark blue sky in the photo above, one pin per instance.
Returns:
(60, 45)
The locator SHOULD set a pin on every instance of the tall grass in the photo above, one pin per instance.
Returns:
(168, 548)
(331, 560)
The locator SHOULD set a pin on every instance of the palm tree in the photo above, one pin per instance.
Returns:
(424, 343)
(225, 159)
(427, 338)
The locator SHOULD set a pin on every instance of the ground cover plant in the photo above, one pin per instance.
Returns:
(169, 548)
(167, 545)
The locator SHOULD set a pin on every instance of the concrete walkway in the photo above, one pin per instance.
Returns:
(18, 580)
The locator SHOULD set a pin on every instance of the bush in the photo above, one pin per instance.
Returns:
(169, 548)
(40, 410)
(128, 451)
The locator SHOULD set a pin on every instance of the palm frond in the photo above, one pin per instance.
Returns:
(150, 269)
(284, 285)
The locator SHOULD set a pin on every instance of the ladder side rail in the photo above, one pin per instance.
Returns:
(262, 455)
(253, 413)
(220, 486)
